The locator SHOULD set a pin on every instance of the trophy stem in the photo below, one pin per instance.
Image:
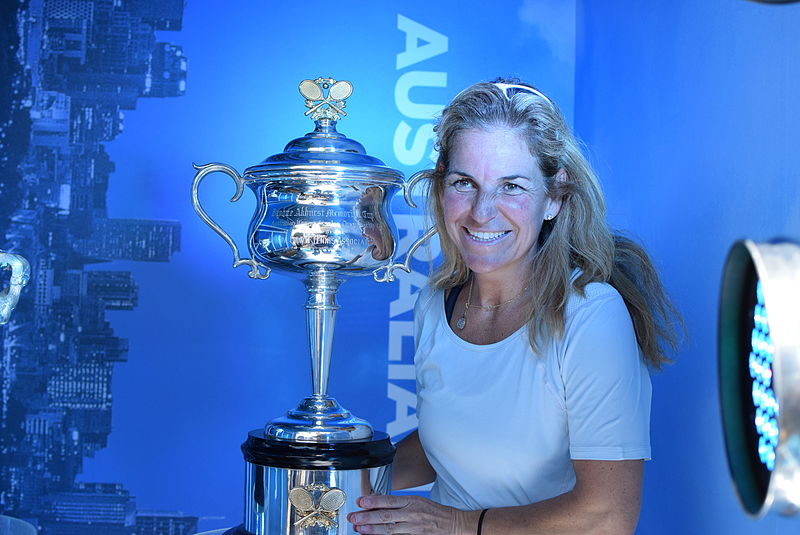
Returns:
(320, 418)
(321, 308)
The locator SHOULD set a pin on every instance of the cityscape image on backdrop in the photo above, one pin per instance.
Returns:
(71, 69)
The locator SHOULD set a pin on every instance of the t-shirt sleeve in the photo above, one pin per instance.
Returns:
(606, 386)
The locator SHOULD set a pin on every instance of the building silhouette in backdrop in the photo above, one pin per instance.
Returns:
(71, 69)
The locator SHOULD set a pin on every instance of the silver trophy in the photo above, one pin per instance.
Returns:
(322, 215)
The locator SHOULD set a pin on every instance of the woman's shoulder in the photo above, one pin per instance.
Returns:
(596, 300)
(426, 298)
(425, 311)
(598, 327)
(593, 293)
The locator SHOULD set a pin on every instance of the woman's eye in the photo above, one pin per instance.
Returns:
(461, 184)
(512, 188)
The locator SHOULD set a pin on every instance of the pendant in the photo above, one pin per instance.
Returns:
(461, 322)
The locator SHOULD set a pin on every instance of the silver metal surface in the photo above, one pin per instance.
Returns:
(322, 214)
(386, 273)
(202, 171)
(331, 223)
(20, 275)
(320, 418)
(273, 495)
(330, 106)
(14, 526)
(777, 266)
(321, 308)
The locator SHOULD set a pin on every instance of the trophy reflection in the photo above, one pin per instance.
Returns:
(20, 275)
(322, 215)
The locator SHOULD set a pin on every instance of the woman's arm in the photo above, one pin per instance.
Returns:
(411, 467)
(606, 500)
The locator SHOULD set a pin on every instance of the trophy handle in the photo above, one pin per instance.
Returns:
(20, 274)
(386, 273)
(202, 170)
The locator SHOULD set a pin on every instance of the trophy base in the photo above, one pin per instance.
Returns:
(318, 419)
(303, 488)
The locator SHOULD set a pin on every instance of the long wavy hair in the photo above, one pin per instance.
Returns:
(578, 237)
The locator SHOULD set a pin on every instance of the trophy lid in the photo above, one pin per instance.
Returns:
(324, 153)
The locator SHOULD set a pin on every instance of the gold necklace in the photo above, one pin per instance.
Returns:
(462, 321)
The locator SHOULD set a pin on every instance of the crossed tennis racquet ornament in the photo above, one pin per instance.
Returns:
(325, 97)
(323, 512)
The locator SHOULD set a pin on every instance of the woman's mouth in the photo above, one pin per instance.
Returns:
(486, 237)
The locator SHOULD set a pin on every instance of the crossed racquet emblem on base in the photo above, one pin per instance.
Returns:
(323, 512)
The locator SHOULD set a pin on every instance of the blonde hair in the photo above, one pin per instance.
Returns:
(578, 237)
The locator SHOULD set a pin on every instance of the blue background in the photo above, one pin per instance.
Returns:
(689, 111)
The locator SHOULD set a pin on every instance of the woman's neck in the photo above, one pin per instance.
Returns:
(490, 289)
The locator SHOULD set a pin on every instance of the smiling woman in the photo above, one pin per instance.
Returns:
(533, 391)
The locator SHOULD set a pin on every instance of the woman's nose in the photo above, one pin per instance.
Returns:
(484, 207)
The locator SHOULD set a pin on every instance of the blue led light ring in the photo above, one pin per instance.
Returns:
(762, 356)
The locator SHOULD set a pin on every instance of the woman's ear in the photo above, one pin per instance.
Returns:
(553, 206)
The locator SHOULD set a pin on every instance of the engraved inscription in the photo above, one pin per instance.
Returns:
(307, 211)
(324, 240)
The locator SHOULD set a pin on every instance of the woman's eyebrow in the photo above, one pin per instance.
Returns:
(467, 175)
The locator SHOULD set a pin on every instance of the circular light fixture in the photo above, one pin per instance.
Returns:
(759, 374)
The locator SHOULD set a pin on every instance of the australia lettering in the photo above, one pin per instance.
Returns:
(413, 141)
(413, 146)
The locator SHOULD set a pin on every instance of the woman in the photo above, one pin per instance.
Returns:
(533, 341)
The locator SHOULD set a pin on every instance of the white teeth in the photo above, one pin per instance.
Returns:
(485, 236)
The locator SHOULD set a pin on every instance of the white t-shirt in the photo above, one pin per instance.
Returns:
(500, 424)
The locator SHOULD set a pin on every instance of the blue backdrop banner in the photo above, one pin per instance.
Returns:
(137, 360)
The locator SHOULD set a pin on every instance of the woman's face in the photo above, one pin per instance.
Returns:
(494, 201)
